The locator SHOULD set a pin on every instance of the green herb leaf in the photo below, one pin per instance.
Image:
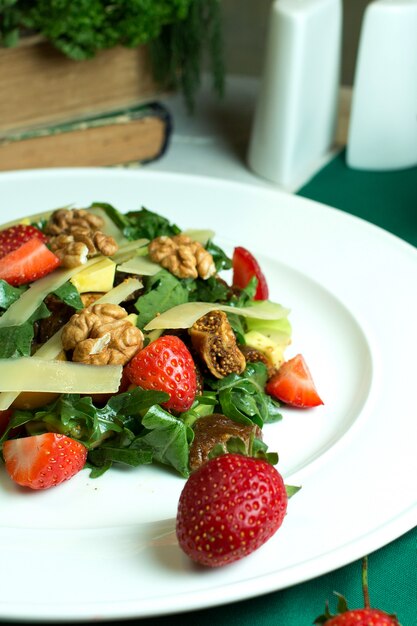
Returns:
(9, 294)
(242, 397)
(168, 438)
(139, 224)
(16, 341)
(69, 295)
(162, 292)
(220, 258)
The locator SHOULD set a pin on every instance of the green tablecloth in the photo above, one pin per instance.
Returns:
(390, 201)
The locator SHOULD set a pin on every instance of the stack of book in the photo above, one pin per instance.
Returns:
(56, 112)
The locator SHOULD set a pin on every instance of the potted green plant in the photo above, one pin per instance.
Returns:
(180, 36)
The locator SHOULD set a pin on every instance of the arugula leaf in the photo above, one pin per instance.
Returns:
(162, 292)
(168, 438)
(102, 458)
(69, 295)
(16, 341)
(210, 290)
(245, 296)
(242, 397)
(77, 417)
(9, 294)
(220, 258)
(138, 224)
(203, 405)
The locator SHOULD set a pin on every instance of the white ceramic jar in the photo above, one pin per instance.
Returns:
(296, 113)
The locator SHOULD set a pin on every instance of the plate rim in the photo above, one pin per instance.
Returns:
(390, 530)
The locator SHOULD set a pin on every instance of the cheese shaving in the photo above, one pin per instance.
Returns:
(30, 300)
(34, 374)
(184, 315)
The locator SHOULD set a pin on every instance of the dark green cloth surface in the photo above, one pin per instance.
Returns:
(390, 201)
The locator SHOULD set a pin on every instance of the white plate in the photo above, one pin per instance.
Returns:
(351, 288)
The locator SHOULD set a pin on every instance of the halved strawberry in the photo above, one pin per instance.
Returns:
(32, 260)
(245, 267)
(293, 384)
(166, 365)
(43, 461)
(13, 237)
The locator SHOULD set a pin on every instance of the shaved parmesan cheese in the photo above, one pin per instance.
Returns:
(129, 250)
(141, 265)
(33, 374)
(121, 292)
(184, 315)
(7, 399)
(51, 348)
(202, 236)
(109, 226)
(30, 299)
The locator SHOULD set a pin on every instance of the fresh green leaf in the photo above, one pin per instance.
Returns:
(9, 294)
(220, 258)
(210, 290)
(77, 417)
(16, 341)
(168, 437)
(237, 322)
(291, 490)
(162, 292)
(69, 295)
(242, 397)
(245, 296)
(107, 455)
(203, 405)
(139, 224)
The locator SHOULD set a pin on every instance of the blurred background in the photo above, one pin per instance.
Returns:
(245, 26)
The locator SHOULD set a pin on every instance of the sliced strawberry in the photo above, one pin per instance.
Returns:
(166, 365)
(245, 267)
(43, 461)
(228, 508)
(31, 261)
(13, 237)
(293, 384)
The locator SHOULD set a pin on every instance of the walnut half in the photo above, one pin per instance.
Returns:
(182, 256)
(101, 335)
(214, 341)
(75, 235)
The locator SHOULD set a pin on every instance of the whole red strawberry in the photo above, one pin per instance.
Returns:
(228, 508)
(43, 461)
(13, 237)
(166, 365)
(357, 617)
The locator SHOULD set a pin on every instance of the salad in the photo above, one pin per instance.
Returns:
(123, 340)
